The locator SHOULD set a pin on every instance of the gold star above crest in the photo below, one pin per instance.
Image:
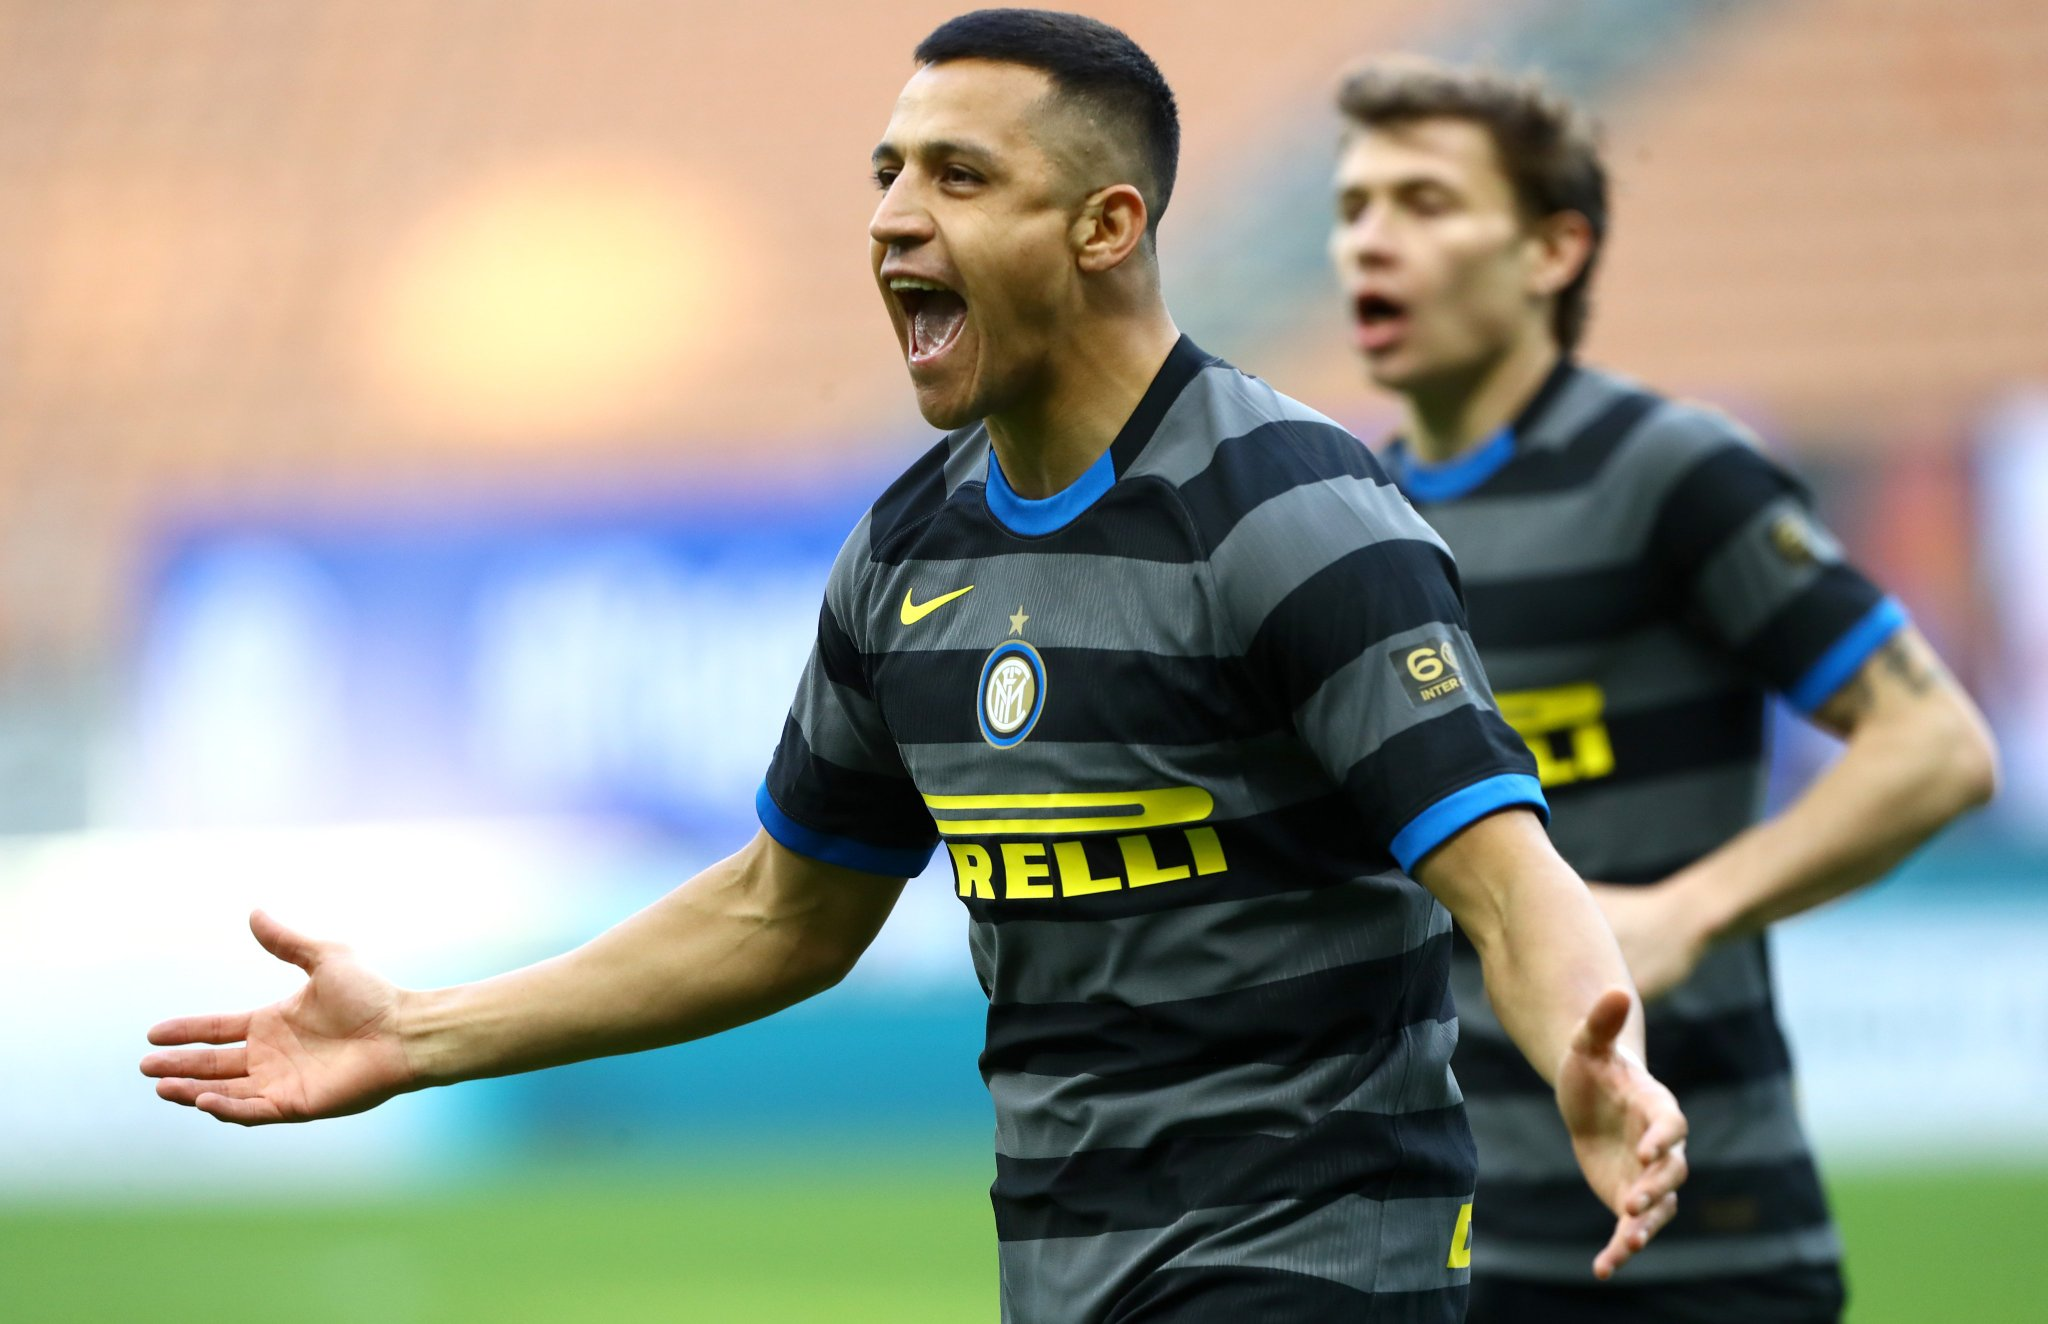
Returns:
(1017, 621)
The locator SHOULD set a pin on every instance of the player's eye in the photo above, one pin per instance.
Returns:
(960, 175)
(885, 176)
(1430, 202)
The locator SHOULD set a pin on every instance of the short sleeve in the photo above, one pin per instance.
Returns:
(836, 789)
(1761, 577)
(1347, 608)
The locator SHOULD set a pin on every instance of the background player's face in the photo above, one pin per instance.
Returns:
(970, 244)
(1442, 274)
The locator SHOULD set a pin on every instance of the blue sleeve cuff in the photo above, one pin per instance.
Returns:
(889, 861)
(1846, 656)
(1461, 809)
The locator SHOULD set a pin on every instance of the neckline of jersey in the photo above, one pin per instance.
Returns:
(1465, 474)
(1036, 517)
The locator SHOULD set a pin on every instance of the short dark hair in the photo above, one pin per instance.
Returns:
(1090, 63)
(1548, 150)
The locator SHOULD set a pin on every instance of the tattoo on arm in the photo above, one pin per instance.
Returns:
(1902, 659)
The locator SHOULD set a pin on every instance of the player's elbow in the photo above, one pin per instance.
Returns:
(1958, 754)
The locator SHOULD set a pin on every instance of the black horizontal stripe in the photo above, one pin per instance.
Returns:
(1361, 599)
(1415, 768)
(1734, 1048)
(1129, 521)
(1795, 1294)
(1300, 847)
(1374, 1155)
(1798, 634)
(1243, 1295)
(916, 494)
(839, 656)
(1544, 469)
(1711, 503)
(1274, 457)
(1091, 694)
(1737, 1200)
(1354, 1009)
(1694, 736)
(868, 807)
(1184, 362)
(1586, 606)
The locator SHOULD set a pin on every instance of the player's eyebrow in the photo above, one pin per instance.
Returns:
(956, 148)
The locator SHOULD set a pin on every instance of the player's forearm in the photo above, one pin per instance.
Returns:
(1902, 778)
(1546, 951)
(723, 949)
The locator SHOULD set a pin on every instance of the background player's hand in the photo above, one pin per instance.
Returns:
(1626, 1129)
(1658, 940)
(330, 1049)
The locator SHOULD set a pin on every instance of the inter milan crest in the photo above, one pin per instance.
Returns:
(1011, 694)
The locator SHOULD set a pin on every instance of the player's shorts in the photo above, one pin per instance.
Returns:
(1267, 1296)
(1806, 1294)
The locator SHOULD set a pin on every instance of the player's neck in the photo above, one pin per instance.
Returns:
(1091, 392)
(1445, 420)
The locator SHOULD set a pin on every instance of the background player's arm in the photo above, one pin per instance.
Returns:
(1558, 982)
(1918, 755)
(748, 936)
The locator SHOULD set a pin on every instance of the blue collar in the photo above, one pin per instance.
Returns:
(1036, 518)
(1452, 478)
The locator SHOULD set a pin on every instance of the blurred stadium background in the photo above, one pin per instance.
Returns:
(424, 427)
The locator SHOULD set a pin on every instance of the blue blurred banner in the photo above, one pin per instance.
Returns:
(439, 664)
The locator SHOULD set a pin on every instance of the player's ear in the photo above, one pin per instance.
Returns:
(1109, 228)
(1562, 243)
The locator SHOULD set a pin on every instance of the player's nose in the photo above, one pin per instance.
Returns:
(899, 222)
(1365, 242)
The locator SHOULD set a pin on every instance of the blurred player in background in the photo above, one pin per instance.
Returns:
(1638, 578)
(1179, 682)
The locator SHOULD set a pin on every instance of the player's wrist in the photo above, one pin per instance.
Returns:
(426, 1023)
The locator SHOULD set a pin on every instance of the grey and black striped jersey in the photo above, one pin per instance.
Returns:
(1639, 577)
(1181, 729)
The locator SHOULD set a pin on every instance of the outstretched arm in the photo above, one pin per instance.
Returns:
(750, 935)
(1918, 756)
(1556, 978)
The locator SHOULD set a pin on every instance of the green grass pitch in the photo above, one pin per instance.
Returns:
(874, 1242)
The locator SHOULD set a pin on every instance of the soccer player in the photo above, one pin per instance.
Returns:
(1638, 577)
(1183, 687)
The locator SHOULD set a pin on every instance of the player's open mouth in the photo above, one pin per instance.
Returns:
(1380, 321)
(934, 313)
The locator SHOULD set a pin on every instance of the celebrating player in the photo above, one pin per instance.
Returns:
(1184, 688)
(1637, 578)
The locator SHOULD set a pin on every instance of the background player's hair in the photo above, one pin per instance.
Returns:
(1548, 150)
(1094, 66)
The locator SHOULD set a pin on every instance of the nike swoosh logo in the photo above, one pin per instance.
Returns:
(913, 612)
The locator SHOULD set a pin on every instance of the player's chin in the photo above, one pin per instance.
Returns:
(1392, 369)
(946, 396)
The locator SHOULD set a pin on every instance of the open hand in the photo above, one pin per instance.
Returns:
(330, 1049)
(1626, 1129)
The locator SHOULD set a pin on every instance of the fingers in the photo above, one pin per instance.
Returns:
(283, 943)
(1631, 1234)
(243, 1112)
(180, 1089)
(1603, 1023)
(1666, 1130)
(1663, 1178)
(232, 1028)
(199, 1063)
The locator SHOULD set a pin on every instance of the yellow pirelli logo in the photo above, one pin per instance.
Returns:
(1065, 812)
(1461, 1240)
(1565, 728)
(1115, 840)
(1044, 870)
